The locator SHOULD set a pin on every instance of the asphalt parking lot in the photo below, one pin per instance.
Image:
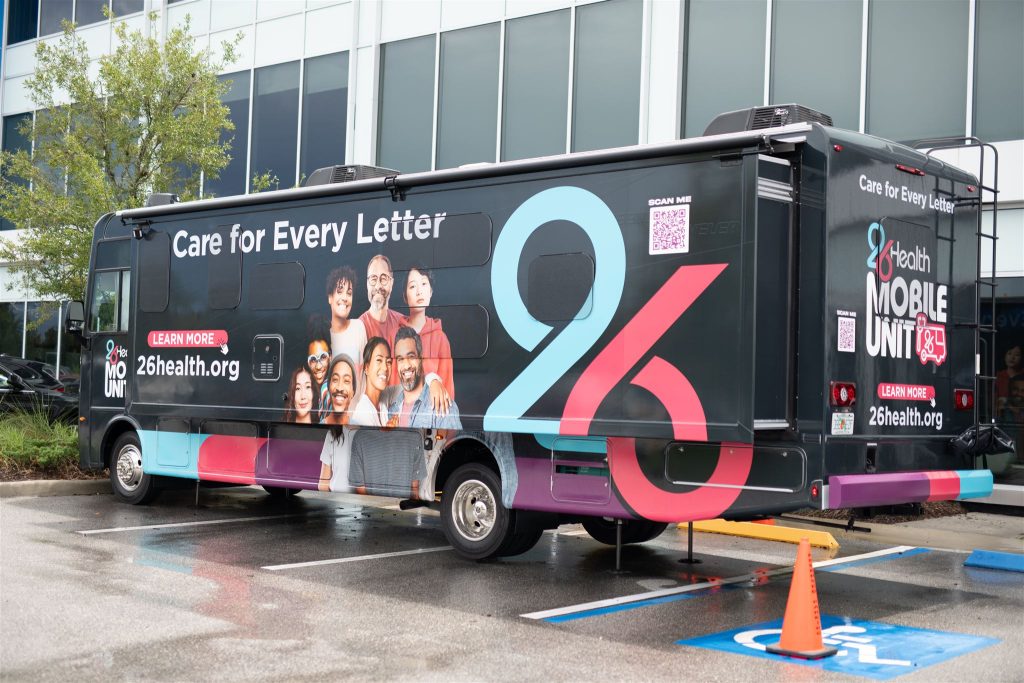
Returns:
(334, 586)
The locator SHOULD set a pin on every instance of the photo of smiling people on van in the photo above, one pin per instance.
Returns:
(437, 351)
(302, 403)
(337, 449)
(348, 336)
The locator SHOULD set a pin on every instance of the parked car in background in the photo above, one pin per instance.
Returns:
(39, 374)
(36, 394)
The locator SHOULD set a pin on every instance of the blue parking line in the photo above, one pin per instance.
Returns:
(990, 559)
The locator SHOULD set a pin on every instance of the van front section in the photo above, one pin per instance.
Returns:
(901, 326)
(106, 374)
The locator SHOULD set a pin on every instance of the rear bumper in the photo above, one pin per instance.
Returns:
(893, 488)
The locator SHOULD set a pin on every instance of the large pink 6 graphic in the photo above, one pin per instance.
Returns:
(675, 392)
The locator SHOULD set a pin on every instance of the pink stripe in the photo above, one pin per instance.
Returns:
(943, 485)
(651, 502)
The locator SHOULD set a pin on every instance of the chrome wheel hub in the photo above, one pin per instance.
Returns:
(129, 468)
(474, 510)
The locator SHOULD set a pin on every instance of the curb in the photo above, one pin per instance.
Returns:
(765, 532)
(54, 487)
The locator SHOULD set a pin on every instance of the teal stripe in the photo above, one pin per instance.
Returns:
(974, 483)
(575, 444)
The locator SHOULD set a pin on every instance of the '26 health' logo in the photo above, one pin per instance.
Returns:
(115, 370)
(903, 300)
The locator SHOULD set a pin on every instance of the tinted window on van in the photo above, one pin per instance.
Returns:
(451, 241)
(559, 287)
(113, 254)
(154, 272)
(277, 286)
(466, 328)
(224, 288)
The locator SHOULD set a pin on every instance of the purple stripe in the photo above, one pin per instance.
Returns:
(864, 490)
(576, 493)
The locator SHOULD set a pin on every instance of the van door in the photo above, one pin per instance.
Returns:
(108, 321)
(775, 304)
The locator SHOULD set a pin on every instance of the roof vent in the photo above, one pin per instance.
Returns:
(346, 174)
(757, 118)
(162, 199)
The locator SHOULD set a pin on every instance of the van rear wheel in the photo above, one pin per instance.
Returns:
(475, 521)
(279, 493)
(131, 485)
(633, 530)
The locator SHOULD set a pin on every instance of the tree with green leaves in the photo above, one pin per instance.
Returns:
(145, 118)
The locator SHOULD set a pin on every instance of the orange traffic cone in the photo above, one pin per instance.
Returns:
(801, 627)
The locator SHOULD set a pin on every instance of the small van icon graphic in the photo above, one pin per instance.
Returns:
(931, 341)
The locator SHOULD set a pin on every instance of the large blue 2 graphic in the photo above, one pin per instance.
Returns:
(586, 210)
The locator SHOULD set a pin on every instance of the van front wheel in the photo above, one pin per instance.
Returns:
(130, 483)
(474, 520)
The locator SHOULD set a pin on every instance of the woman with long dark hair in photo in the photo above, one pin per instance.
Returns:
(303, 403)
(373, 382)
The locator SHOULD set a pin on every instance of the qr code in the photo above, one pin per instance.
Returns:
(670, 229)
(847, 334)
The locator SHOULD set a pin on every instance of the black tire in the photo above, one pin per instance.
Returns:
(278, 493)
(131, 485)
(475, 521)
(521, 541)
(633, 530)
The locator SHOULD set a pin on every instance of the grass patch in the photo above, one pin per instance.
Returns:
(31, 445)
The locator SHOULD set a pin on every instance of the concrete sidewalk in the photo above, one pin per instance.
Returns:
(54, 487)
(967, 532)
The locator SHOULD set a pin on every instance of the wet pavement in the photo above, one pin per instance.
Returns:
(345, 587)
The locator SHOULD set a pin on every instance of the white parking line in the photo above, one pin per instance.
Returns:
(358, 558)
(650, 595)
(233, 520)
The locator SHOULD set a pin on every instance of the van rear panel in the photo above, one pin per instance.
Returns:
(900, 310)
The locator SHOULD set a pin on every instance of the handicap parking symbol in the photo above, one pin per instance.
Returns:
(866, 648)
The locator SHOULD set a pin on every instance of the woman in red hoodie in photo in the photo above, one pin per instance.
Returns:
(437, 352)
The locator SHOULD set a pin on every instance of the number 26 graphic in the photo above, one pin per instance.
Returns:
(612, 363)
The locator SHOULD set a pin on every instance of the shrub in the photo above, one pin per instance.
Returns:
(29, 441)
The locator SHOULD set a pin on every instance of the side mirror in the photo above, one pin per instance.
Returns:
(74, 318)
(16, 382)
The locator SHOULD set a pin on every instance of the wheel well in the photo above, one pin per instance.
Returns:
(459, 453)
(114, 432)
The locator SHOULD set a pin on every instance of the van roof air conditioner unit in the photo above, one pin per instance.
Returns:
(756, 118)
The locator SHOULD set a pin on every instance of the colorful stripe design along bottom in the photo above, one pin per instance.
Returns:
(863, 490)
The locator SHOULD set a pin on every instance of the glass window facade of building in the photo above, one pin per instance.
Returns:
(406, 115)
(999, 70)
(275, 123)
(924, 96)
(802, 31)
(52, 14)
(28, 19)
(324, 112)
(468, 96)
(232, 179)
(606, 75)
(13, 141)
(724, 59)
(536, 84)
